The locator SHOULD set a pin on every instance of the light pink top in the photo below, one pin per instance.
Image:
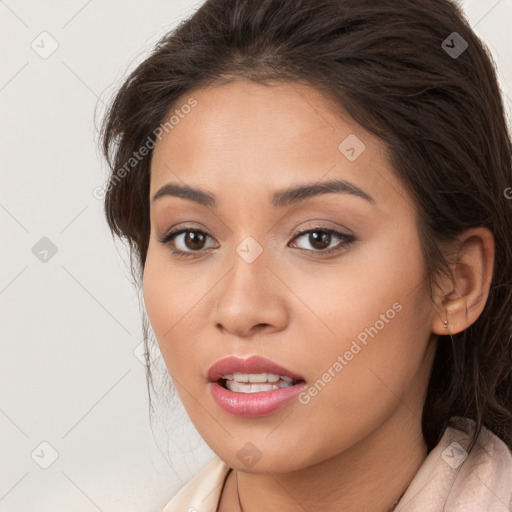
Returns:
(448, 480)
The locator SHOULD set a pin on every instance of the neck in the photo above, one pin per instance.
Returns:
(371, 476)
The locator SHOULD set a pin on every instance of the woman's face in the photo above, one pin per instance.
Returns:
(343, 307)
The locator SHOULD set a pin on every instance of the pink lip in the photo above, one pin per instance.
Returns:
(251, 405)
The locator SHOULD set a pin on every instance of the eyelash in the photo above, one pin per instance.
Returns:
(346, 240)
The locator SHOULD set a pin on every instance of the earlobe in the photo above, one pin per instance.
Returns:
(472, 272)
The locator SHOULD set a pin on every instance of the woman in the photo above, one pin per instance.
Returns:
(315, 197)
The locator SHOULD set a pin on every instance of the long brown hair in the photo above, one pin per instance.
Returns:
(411, 72)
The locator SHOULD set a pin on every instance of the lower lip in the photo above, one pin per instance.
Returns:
(253, 405)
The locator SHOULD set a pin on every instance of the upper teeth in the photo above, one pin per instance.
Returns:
(256, 377)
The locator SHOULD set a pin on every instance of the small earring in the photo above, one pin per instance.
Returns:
(445, 324)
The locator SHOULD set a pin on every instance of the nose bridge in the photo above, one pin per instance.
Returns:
(247, 296)
(248, 270)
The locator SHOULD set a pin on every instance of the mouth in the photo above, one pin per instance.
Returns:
(256, 382)
(253, 387)
(251, 375)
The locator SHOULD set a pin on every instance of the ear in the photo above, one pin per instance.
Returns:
(462, 299)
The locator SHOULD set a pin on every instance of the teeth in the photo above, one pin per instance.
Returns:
(256, 382)
(240, 387)
(257, 377)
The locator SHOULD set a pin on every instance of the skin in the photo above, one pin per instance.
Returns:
(296, 307)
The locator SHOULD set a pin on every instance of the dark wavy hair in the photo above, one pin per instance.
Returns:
(388, 64)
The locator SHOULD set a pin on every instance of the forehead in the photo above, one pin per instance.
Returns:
(242, 115)
(244, 133)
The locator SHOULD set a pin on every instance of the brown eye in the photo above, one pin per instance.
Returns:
(185, 241)
(194, 240)
(320, 239)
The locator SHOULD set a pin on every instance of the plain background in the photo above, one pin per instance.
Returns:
(70, 368)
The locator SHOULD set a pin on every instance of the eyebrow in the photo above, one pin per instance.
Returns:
(280, 198)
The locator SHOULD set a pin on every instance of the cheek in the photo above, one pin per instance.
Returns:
(161, 297)
(346, 299)
(375, 325)
(154, 285)
(358, 379)
(175, 298)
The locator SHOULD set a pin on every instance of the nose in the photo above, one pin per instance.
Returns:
(251, 299)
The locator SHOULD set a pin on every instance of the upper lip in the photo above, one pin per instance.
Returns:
(253, 364)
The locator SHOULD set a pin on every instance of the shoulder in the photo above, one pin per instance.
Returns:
(202, 493)
(455, 480)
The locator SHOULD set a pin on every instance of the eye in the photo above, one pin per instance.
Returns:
(185, 241)
(321, 238)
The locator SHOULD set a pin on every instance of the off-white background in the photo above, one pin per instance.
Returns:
(70, 327)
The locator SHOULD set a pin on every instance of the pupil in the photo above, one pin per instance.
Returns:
(192, 238)
(323, 238)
